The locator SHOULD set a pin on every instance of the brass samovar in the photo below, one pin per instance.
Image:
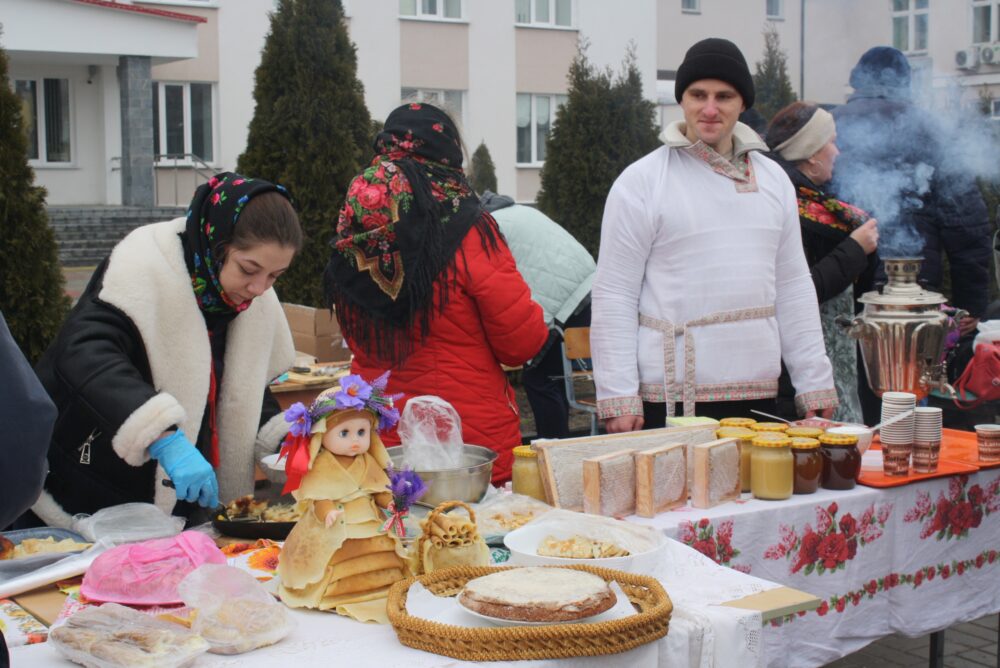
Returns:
(902, 332)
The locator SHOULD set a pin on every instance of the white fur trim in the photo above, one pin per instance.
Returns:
(270, 435)
(144, 426)
(50, 512)
(164, 498)
(148, 280)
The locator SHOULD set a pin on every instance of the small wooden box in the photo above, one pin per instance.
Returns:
(716, 473)
(609, 484)
(660, 479)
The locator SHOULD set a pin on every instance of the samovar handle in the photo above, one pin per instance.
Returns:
(853, 327)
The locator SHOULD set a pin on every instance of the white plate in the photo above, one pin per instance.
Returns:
(271, 462)
(514, 622)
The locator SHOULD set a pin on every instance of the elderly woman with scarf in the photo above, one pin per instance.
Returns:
(161, 369)
(424, 284)
(839, 239)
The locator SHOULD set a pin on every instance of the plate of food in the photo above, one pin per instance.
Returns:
(25, 550)
(247, 517)
(536, 596)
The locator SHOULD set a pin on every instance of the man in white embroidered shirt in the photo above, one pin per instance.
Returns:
(702, 286)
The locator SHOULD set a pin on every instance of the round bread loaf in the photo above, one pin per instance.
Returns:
(538, 594)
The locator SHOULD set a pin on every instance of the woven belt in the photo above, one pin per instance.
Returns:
(670, 332)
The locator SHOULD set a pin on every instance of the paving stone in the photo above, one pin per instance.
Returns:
(985, 658)
(985, 628)
(961, 637)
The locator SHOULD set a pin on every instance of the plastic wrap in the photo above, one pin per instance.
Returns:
(430, 432)
(127, 523)
(235, 614)
(113, 636)
(500, 514)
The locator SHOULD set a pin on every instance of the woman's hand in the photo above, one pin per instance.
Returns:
(332, 517)
(867, 236)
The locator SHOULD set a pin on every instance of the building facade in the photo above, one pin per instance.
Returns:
(500, 66)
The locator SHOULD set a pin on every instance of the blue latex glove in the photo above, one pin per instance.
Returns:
(192, 475)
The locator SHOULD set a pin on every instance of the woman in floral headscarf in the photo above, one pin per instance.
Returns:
(161, 369)
(839, 239)
(424, 284)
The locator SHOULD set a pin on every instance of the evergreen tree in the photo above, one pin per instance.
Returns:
(770, 78)
(311, 129)
(32, 295)
(604, 126)
(483, 173)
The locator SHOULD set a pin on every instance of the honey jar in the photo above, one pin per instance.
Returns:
(772, 467)
(737, 422)
(804, 432)
(841, 460)
(769, 426)
(746, 449)
(525, 475)
(808, 465)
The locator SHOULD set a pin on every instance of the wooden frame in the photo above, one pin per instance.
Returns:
(609, 484)
(704, 454)
(653, 469)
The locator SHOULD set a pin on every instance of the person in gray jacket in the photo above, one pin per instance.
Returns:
(559, 271)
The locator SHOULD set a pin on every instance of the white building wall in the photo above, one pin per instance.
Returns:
(374, 29)
(853, 25)
(610, 31)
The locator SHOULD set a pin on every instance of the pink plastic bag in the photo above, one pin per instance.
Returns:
(148, 573)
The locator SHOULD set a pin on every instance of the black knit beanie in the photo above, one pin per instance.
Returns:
(715, 58)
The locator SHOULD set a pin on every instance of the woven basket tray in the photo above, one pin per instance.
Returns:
(513, 643)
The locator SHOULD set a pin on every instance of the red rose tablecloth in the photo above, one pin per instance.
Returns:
(911, 559)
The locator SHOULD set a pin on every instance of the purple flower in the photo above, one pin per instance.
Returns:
(406, 486)
(298, 417)
(354, 392)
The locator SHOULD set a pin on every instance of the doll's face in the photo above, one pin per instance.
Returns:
(349, 437)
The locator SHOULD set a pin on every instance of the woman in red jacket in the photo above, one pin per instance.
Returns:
(423, 282)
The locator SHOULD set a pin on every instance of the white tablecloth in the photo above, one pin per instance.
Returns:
(911, 559)
(702, 634)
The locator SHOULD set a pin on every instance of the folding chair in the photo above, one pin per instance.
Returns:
(576, 346)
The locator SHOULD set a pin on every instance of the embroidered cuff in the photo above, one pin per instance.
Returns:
(813, 401)
(618, 407)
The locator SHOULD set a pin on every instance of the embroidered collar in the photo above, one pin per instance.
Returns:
(739, 169)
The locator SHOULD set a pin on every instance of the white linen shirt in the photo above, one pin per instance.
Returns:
(679, 242)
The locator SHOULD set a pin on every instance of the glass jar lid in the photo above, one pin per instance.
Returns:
(734, 432)
(804, 443)
(524, 451)
(736, 422)
(781, 441)
(804, 432)
(769, 426)
(838, 439)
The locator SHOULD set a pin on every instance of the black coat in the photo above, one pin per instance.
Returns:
(894, 163)
(113, 401)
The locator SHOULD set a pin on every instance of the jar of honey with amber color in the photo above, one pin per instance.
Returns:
(841, 460)
(772, 467)
(525, 477)
(808, 465)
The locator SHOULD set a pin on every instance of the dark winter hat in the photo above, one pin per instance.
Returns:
(881, 66)
(715, 58)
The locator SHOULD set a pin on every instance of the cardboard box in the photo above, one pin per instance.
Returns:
(315, 332)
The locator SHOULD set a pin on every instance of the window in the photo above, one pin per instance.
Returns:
(544, 12)
(535, 114)
(449, 100)
(431, 9)
(46, 118)
(985, 21)
(909, 25)
(775, 9)
(691, 6)
(183, 120)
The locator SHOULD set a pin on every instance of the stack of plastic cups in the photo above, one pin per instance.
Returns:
(988, 439)
(897, 438)
(926, 439)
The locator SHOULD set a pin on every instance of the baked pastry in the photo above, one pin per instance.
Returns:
(6, 548)
(29, 547)
(579, 547)
(536, 594)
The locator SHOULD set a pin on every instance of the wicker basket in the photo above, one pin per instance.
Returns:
(514, 643)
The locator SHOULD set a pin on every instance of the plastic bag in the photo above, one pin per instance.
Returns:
(127, 523)
(430, 431)
(113, 636)
(148, 573)
(235, 614)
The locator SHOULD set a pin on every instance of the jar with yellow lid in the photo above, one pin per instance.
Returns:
(737, 422)
(804, 432)
(769, 426)
(841, 460)
(746, 449)
(808, 465)
(772, 467)
(525, 476)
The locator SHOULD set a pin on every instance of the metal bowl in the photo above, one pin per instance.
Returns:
(467, 482)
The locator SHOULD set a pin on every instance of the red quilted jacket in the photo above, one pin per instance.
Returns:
(489, 319)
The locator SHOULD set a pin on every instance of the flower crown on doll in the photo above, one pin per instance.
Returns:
(354, 393)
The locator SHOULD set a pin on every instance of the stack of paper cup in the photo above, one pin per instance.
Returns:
(988, 438)
(926, 439)
(897, 438)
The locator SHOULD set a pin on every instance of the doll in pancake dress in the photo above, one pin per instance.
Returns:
(340, 555)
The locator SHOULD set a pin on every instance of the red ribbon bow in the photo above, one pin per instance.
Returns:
(394, 520)
(295, 452)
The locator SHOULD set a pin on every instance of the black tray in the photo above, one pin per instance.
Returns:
(239, 528)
